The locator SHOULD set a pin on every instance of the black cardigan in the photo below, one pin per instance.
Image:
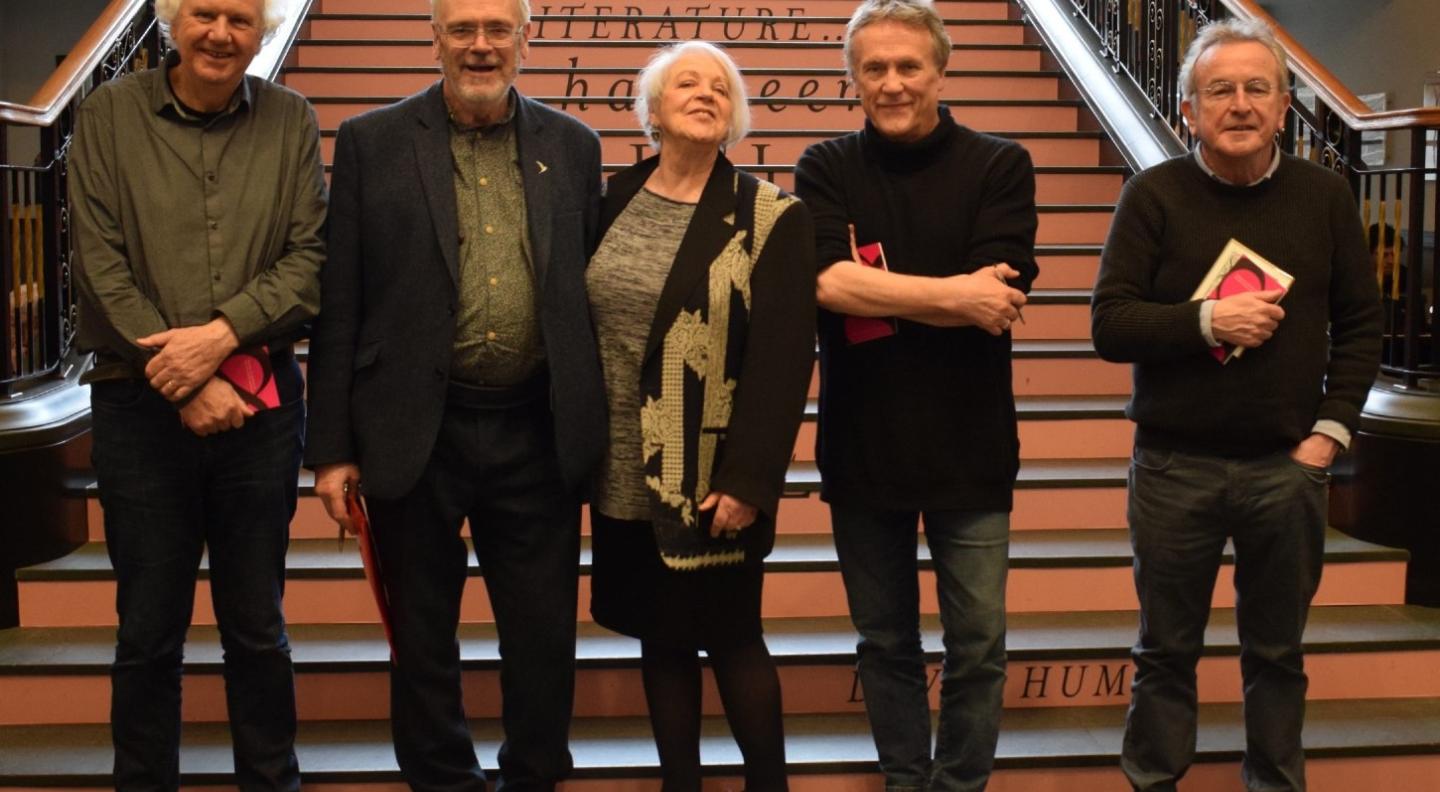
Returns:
(735, 426)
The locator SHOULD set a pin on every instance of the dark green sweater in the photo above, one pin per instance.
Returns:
(1171, 223)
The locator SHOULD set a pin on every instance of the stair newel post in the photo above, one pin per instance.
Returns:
(1415, 257)
(8, 349)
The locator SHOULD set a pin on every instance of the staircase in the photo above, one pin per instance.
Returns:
(1374, 720)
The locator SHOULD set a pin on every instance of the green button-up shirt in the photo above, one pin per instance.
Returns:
(179, 219)
(497, 336)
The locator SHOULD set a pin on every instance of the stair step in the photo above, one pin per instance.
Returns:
(949, 9)
(655, 29)
(603, 84)
(1059, 571)
(1055, 660)
(1074, 749)
(628, 54)
(1081, 149)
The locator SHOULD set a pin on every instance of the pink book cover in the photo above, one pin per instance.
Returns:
(1239, 270)
(859, 329)
(248, 371)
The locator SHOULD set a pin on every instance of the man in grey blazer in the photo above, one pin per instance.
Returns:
(454, 375)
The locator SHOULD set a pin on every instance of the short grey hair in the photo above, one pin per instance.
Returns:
(1232, 31)
(651, 84)
(913, 13)
(272, 15)
(523, 5)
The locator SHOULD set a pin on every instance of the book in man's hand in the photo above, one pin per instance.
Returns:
(1239, 270)
(859, 329)
(249, 372)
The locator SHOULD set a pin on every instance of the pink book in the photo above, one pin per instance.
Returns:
(859, 329)
(248, 371)
(1238, 270)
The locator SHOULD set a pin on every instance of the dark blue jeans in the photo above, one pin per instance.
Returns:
(498, 469)
(1182, 509)
(169, 496)
(878, 561)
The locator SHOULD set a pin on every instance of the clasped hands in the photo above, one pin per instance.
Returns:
(184, 367)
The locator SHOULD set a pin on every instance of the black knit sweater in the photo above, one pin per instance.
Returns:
(924, 419)
(1171, 223)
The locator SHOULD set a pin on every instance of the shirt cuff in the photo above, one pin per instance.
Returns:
(1207, 310)
(1334, 430)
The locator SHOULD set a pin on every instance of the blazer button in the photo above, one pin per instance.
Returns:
(440, 375)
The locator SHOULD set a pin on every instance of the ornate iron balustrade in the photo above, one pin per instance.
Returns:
(1146, 40)
(35, 252)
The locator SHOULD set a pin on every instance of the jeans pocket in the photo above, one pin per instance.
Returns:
(1316, 475)
(1153, 460)
(121, 394)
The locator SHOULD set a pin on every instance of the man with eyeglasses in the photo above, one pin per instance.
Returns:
(454, 376)
(1240, 450)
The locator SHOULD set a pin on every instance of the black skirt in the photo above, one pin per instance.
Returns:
(633, 593)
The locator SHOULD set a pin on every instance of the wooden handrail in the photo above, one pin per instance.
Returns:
(1330, 90)
(70, 76)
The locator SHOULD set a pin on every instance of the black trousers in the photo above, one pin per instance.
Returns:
(494, 464)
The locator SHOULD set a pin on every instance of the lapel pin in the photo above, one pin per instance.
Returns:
(542, 166)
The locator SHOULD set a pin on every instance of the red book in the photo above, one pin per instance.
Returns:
(370, 558)
(249, 372)
(859, 329)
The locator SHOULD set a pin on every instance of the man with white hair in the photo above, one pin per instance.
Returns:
(1237, 451)
(454, 376)
(198, 203)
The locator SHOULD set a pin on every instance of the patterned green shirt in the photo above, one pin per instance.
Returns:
(497, 340)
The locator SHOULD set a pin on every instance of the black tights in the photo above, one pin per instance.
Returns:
(750, 692)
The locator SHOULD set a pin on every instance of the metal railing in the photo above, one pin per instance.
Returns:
(1146, 40)
(35, 254)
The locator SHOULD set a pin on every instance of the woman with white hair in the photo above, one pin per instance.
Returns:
(703, 297)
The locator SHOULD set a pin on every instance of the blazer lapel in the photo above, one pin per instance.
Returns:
(707, 235)
(437, 176)
(535, 151)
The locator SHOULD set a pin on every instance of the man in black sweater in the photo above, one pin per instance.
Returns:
(921, 420)
(1238, 450)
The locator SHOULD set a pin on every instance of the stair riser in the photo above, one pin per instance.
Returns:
(1067, 271)
(1081, 439)
(1323, 775)
(759, 147)
(708, 26)
(821, 593)
(970, 9)
(1035, 509)
(622, 83)
(606, 114)
(601, 55)
(807, 689)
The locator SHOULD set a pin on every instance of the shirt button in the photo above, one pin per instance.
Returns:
(217, 277)
(489, 229)
(494, 281)
(214, 225)
(210, 175)
(484, 181)
(490, 336)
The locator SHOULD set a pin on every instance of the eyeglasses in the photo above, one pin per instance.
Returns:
(1224, 90)
(496, 35)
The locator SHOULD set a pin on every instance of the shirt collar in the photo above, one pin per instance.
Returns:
(162, 96)
(488, 130)
(1270, 171)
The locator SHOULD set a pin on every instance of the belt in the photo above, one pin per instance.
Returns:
(497, 397)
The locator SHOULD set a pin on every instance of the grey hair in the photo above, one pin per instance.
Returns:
(650, 84)
(1231, 31)
(914, 13)
(272, 14)
(523, 5)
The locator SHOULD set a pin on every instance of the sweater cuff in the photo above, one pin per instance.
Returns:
(1207, 312)
(1334, 430)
